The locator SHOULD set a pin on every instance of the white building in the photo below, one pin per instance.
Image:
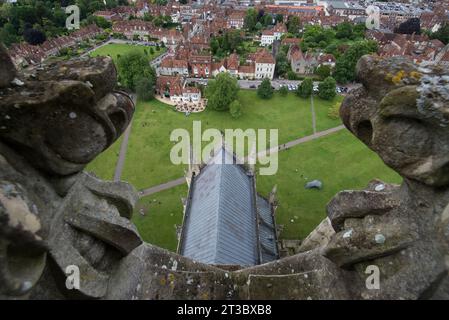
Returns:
(265, 65)
(267, 38)
(191, 94)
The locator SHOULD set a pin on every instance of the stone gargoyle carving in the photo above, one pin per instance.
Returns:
(54, 119)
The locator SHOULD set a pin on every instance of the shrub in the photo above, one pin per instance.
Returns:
(235, 109)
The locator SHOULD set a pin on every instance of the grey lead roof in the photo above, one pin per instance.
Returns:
(221, 220)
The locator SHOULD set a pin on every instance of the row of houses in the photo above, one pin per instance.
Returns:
(24, 54)
(417, 48)
(188, 62)
(145, 31)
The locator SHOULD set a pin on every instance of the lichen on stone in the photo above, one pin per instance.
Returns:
(433, 101)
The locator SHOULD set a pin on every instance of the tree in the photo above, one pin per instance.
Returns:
(235, 109)
(327, 89)
(359, 30)
(442, 34)
(250, 19)
(214, 45)
(344, 31)
(8, 34)
(103, 23)
(279, 18)
(317, 37)
(282, 65)
(334, 111)
(147, 17)
(346, 63)
(222, 91)
(265, 91)
(99, 21)
(323, 71)
(145, 88)
(305, 89)
(283, 91)
(259, 26)
(34, 36)
(291, 75)
(411, 26)
(132, 66)
(293, 24)
(267, 20)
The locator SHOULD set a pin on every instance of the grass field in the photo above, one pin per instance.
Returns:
(163, 211)
(148, 163)
(103, 166)
(340, 161)
(114, 49)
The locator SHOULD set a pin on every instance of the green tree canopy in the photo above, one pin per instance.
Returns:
(279, 17)
(305, 89)
(282, 64)
(265, 91)
(283, 91)
(442, 34)
(221, 91)
(267, 20)
(344, 31)
(145, 88)
(293, 24)
(235, 109)
(346, 63)
(323, 71)
(250, 19)
(327, 89)
(132, 66)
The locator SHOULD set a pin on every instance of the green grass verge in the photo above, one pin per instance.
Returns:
(339, 160)
(103, 166)
(163, 211)
(115, 49)
(323, 122)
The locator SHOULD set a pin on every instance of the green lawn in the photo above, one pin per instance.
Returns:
(103, 166)
(114, 49)
(323, 122)
(330, 159)
(163, 211)
(148, 162)
(339, 160)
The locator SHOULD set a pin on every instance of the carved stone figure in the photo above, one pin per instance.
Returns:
(56, 118)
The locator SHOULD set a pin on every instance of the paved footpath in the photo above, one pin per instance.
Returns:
(123, 149)
(282, 147)
(122, 155)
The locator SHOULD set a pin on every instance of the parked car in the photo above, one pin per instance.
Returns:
(252, 86)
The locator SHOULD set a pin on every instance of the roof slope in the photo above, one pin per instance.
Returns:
(221, 225)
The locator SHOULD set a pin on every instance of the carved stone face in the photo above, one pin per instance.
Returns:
(402, 113)
(64, 116)
(58, 118)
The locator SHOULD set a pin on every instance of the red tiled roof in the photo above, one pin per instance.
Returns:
(263, 56)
